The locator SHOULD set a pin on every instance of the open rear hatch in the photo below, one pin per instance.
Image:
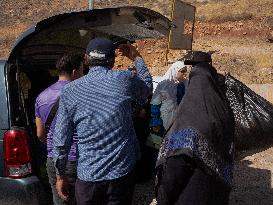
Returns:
(31, 65)
(35, 53)
(70, 32)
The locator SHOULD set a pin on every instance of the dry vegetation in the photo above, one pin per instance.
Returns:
(235, 30)
(229, 10)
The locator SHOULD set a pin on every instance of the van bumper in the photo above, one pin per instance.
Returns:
(26, 191)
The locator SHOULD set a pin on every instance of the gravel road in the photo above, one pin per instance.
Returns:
(253, 183)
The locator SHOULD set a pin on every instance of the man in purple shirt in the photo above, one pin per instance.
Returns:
(69, 68)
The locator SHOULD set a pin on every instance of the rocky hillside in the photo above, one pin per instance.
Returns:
(236, 31)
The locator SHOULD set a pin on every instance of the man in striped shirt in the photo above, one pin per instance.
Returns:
(98, 106)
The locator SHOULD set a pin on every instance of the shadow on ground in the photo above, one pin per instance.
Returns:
(144, 193)
(252, 186)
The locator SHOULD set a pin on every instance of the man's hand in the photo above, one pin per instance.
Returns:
(129, 51)
(156, 129)
(141, 113)
(62, 187)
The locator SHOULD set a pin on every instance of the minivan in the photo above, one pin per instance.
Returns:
(30, 68)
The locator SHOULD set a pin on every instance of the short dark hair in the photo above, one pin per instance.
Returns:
(68, 62)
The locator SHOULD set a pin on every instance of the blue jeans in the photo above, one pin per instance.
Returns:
(71, 173)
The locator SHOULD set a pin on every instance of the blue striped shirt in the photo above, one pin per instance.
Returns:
(98, 106)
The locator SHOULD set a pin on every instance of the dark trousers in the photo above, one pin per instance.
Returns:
(181, 183)
(145, 167)
(71, 173)
(113, 192)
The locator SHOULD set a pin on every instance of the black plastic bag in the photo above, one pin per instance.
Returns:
(253, 115)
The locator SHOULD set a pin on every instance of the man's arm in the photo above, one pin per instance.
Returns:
(40, 129)
(62, 141)
(142, 82)
(40, 126)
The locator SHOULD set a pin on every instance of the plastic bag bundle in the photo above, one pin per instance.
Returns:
(253, 115)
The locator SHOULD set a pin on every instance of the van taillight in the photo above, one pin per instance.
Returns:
(17, 154)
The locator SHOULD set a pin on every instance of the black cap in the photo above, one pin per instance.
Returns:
(100, 48)
(197, 57)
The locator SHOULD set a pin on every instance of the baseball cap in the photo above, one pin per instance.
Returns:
(100, 48)
(195, 57)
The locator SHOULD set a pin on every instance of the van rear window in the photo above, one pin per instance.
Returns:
(17, 114)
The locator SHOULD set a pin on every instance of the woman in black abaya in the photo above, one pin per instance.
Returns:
(195, 161)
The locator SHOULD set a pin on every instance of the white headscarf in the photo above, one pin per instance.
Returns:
(171, 73)
(165, 93)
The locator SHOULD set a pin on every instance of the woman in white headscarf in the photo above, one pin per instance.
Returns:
(167, 96)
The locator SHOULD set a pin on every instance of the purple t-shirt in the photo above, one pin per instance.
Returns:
(44, 103)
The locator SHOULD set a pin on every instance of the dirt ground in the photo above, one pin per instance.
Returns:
(252, 181)
(237, 32)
